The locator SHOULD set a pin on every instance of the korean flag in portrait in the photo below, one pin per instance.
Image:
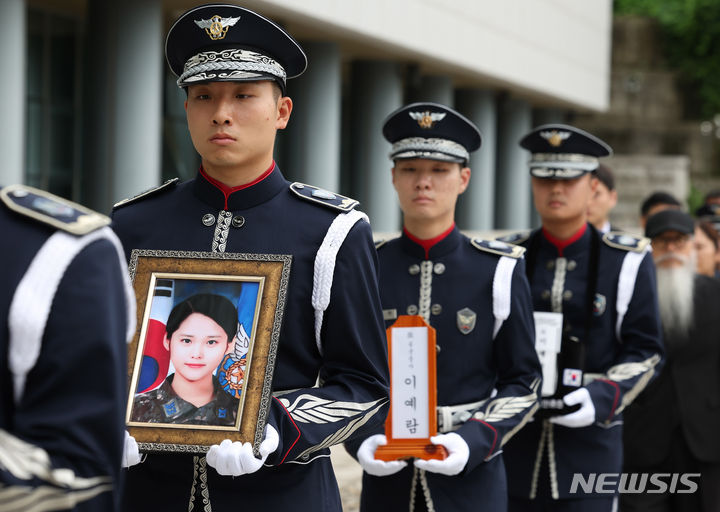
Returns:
(156, 365)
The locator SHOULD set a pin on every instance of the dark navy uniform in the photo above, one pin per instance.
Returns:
(475, 294)
(604, 286)
(330, 378)
(66, 312)
(348, 356)
(487, 371)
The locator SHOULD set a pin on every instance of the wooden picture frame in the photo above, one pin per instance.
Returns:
(196, 294)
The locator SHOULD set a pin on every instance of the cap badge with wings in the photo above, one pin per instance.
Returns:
(427, 119)
(217, 27)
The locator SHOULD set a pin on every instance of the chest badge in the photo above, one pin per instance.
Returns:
(466, 319)
(599, 304)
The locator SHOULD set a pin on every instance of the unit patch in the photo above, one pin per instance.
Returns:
(599, 304)
(323, 197)
(466, 319)
(51, 209)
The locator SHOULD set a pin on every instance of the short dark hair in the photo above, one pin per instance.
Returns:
(657, 198)
(217, 307)
(605, 176)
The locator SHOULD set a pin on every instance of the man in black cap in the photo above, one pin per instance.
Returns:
(331, 376)
(595, 303)
(672, 427)
(67, 311)
(475, 294)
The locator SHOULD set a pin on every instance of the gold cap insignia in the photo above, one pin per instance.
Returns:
(554, 137)
(217, 27)
(427, 119)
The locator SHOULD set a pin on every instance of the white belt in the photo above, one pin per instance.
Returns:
(450, 417)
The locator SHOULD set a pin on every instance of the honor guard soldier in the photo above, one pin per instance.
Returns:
(66, 313)
(475, 294)
(597, 294)
(331, 377)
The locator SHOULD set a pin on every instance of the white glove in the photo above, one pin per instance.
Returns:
(582, 417)
(373, 466)
(131, 453)
(235, 459)
(458, 451)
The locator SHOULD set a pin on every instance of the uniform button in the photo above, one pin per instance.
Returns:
(572, 265)
(414, 269)
(439, 268)
(20, 193)
(550, 264)
(238, 221)
(567, 295)
(208, 219)
(437, 348)
(436, 309)
(412, 309)
(545, 294)
(299, 185)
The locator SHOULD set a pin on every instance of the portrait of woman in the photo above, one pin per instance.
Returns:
(199, 332)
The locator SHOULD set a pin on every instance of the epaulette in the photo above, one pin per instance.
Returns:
(514, 238)
(380, 243)
(626, 242)
(323, 197)
(51, 209)
(149, 192)
(498, 247)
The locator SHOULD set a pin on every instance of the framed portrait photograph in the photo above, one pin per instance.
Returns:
(201, 362)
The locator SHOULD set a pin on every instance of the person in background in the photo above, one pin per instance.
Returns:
(475, 294)
(603, 200)
(598, 293)
(656, 202)
(66, 313)
(707, 248)
(672, 427)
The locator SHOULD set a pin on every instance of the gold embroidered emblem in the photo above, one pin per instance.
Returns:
(554, 137)
(427, 119)
(217, 27)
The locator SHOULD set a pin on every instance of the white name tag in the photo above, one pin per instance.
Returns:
(548, 339)
(409, 374)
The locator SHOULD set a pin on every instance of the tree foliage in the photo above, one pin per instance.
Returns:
(691, 44)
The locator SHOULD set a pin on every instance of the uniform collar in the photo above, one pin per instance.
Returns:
(434, 247)
(571, 245)
(222, 197)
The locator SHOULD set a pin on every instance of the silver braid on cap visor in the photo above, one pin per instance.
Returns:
(420, 147)
(228, 64)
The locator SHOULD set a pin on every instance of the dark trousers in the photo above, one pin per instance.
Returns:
(680, 460)
(605, 504)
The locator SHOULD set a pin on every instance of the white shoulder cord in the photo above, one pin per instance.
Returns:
(626, 285)
(325, 265)
(33, 298)
(502, 291)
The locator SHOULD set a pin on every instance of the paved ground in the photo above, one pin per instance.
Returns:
(349, 474)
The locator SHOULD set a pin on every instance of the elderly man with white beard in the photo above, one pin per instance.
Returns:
(672, 427)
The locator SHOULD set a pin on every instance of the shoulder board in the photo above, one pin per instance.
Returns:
(514, 238)
(626, 242)
(323, 197)
(149, 192)
(51, 209)
(380, 243)
(498, 247)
